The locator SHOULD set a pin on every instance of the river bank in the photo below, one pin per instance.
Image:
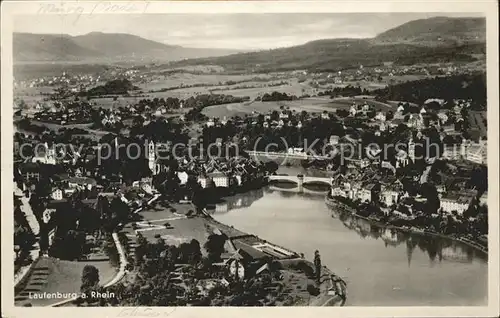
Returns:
(332, 291)
(381, 267)
(332, 203)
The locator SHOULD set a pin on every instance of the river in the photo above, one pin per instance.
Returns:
(381, 267)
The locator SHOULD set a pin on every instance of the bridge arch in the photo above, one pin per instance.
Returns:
(302, 179)
(325, 181)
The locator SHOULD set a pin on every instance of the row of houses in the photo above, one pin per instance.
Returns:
(476, 152)
(368, 187)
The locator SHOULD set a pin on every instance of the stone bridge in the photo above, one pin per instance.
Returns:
(285, 155)
(301, 180)
(297, 189)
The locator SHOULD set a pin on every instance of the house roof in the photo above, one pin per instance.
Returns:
(30, 167)
(370, 186)
(82, 180)
(459, 197)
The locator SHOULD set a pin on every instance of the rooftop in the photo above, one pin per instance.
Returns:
(462, 197)
(82, 180)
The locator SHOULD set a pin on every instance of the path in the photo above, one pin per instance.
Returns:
(155, 197)
(146, 226)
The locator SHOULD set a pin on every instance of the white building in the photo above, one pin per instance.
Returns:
(483, 200)
(456, 201)
(443, 117)
(353, 110)
(382, 127)
(451, 153)
(47, 215)
(46, 155)
(183, 177)
(57, 194)
(365, 195)
(220, 179)
(283, 115)
(81, 183)
(477, 153)
(415, 121)
(380, 116)
(402, 159)
(334, 140)
(205, 182)
(389, 197)
(411, 150)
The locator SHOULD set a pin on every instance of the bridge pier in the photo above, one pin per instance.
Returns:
(300, 183)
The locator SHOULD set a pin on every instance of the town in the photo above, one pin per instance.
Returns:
(146, 184)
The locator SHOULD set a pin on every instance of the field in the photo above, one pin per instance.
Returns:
(294, 88)
(109, 102)
(52, 275)
(313, 104)
(177, 79)
(32, 95)
(181, 229)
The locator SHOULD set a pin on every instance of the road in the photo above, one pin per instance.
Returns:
(123, 262)
(285, 155)
(35, 228)
(28, 212)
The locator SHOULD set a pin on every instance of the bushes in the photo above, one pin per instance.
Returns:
(462, 86)
(277, 96)
(110, 250)
(303, 267)
(313, 290)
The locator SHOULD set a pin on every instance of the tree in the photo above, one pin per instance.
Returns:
(317, 265)
(190, 253)
(342, 112)
(271, 166)
(119, 209)
(215, 246)
(90, 280)
(141, 249)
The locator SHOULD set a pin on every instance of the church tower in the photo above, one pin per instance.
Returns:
(50, 154)
(152, 157)
(411, 150)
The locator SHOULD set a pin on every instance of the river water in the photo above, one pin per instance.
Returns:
(381, 267)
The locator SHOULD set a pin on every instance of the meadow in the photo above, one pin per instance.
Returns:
(312, 104)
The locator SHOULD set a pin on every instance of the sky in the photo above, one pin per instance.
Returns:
(245, 31)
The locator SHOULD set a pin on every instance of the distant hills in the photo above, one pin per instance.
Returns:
(439, 39)
(97, 46)
(438, 30)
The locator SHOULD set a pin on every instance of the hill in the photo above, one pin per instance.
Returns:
(427, 40)
(35, 47)
(437, 30)
(101, 47)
